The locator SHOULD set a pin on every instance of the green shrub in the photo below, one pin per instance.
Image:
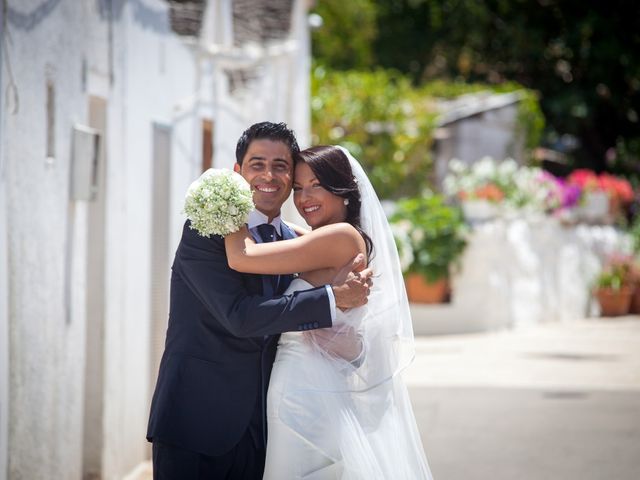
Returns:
(388, 124)
(381, 119)
(436, 231)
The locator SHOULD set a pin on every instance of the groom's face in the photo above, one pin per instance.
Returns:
(268, 167)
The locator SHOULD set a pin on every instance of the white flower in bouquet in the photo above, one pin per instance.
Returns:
(218, 203)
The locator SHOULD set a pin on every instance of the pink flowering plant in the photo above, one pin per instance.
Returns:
(618, 189)
(532, 189)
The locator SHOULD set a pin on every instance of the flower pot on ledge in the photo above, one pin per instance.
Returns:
(614, 303)
(635, 301)
(420, 290)
(479, 210)
(595, 207)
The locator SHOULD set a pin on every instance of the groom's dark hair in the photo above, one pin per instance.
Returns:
(277, 132)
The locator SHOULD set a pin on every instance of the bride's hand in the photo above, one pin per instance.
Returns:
(351, 286)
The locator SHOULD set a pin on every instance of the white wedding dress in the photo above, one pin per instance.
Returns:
(331, 418)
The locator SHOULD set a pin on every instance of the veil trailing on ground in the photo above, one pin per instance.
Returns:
(352, 405)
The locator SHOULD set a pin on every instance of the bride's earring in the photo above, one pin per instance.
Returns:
(346, 201)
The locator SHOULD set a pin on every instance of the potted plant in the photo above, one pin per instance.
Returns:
(481, 203)
(634, 231)
(435, 234)
(614, 287)
(603, 197)
(481, 187)
(594, 202)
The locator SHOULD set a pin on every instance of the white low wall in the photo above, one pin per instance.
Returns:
(522, 272)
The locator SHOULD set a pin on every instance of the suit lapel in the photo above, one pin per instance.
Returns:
(287, 234)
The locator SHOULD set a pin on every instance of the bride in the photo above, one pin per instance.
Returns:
(336, 405)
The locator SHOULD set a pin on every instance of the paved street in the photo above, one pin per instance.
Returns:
(554, 402)
(557, 402)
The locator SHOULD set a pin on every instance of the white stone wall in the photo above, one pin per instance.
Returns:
(142, 78)
(520, 272)
(154, 73)
(4, 292)
(46, 329)
(125, 54)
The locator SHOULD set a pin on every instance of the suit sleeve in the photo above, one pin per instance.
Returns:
(201, 262)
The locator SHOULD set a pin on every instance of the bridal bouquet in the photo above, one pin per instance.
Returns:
(218, 203)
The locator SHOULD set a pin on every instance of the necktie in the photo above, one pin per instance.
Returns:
(268, 233)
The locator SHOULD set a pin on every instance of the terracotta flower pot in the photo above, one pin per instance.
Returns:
(635, 301)
(421, 291)
(614, 302)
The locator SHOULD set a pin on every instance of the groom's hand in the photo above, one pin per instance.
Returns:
(352, 283)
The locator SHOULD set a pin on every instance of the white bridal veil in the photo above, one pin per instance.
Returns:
(361, 414)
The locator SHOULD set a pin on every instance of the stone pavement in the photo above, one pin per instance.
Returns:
(554, 402)
(558, 401)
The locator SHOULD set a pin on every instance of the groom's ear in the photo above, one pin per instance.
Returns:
(236, 167)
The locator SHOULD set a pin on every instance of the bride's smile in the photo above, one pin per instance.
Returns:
(317, 205)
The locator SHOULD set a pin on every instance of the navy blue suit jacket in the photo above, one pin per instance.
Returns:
(217, 361)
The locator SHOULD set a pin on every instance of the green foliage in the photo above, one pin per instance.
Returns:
(634, 231)
(613, 279)
(436, 232)
(620, 270)
(530, 121)
(625, 158)
(381, 119)
(583, 58)
(388, 124)
(346, 37)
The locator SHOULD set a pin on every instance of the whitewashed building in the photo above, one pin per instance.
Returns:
(109, 109)
(476, 125)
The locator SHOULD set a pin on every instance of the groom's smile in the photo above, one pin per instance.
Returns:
(267, 188)
(268, 167)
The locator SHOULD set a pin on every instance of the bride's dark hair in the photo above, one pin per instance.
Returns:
(331, 167)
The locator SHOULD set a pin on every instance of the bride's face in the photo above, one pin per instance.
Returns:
(317, 206)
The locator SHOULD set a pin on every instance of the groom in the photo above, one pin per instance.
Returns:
(208, 411)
